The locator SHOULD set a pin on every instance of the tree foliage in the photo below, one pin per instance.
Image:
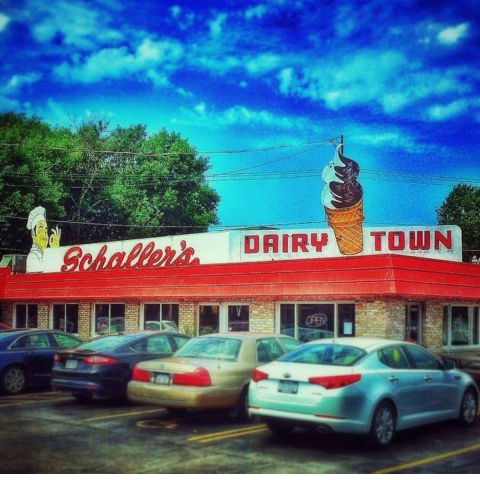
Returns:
(87, 180)
(462, 207)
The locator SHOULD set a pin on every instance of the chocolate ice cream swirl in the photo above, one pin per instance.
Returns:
(347, 191)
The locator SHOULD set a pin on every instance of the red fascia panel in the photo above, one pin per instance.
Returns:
(346, 277)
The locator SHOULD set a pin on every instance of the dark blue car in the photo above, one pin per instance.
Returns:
(26, 357)
(103, 366)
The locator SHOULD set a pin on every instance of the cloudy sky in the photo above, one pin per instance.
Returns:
(399, 79)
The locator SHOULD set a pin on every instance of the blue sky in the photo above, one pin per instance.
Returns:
(399, 79)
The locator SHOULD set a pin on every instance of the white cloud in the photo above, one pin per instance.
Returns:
(243, 84)
(216, 25)
(4, 21)
(18, 81)
(451, 35)
(13, 87)
(453, 109)
(258, 11)
(263, 63)
(74, 24)
(175, 11)
(154, 58)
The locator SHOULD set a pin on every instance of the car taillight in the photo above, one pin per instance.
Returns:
(258, 376)
(99, 360)
(56, 358)
(198, 378)
(336, 381)
(140, 375)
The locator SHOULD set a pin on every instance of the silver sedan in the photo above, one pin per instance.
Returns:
(366, 386)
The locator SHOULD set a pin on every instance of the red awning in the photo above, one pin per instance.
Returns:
(332, 278)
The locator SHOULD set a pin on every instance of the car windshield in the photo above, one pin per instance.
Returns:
(105, 343)
(324, 354)
(213, 347)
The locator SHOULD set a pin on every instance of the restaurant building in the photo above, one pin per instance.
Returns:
(404, 283)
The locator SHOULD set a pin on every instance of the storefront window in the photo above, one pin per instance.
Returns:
(315, 321)
(476, 326)
(461, 334)
(346, 320)
(157, 316)
(238, 318)
(413, 322)
(65, 317)
(287, 319)
(458, 330)
(109, 318)
(445, 325)
(26, 316)
(208, 319)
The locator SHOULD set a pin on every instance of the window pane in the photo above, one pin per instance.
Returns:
(346, 320)
(423, 360)
(412, 323)
(238, 318)
(287, 319)
(315, 321)
(170, 312)
(59, 317)
(72, 318)
(272, 348)
(324, 354)
(208, 319)
(159, 344)
(394, 357)
(151, 313)
(461, 334)
(289, 343)
(66, 341)
(21, 316)
(37, 340)
(109, 318)
(445, 325)
(180, 341)
(102, 313)
(211, 347)
(476, 325)
(32, 311)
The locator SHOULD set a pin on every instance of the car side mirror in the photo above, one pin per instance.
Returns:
(449, 365)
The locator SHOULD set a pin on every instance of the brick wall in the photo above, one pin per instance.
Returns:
(371, 318)
(262, 316)
(132, 316)
(7, 313)
(43, 315)
(84, 320)
(187, 318)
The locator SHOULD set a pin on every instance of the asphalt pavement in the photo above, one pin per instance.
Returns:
(50, 432)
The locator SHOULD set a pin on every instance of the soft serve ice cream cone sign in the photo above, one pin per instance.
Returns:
(342, 198)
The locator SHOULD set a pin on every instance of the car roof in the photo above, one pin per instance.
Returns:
(365, 343)
(243, 335)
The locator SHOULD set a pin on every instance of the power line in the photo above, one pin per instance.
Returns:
(165, 154)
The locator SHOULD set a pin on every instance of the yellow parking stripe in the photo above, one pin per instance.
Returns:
(33, 402)
(223, 433)
(427, 460)
(233, 435)
(117, 415)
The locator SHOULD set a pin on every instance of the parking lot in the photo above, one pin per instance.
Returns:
(49, 432)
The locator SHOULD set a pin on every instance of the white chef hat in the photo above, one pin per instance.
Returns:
(36, 215)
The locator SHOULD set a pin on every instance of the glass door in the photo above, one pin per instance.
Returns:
(413, 323)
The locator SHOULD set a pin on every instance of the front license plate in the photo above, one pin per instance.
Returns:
(286, 386)
(162, 378)
(71, 364)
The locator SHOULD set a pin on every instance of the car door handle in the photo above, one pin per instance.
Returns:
(393, 379)
(427, 378)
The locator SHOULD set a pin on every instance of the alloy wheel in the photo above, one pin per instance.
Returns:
(469, 407)
(14, 380)
(384, 425)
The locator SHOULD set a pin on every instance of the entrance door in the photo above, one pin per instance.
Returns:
(413, 323)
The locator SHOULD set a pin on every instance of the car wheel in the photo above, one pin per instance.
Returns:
(468, 408)
(279, 428)
(14, 380)
(82, 397)
(241, 409)
(382, 430)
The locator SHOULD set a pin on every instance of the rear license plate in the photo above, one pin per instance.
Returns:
(71, 364)
(162, 378)
(286, 386)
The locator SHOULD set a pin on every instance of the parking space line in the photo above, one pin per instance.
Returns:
(432, 459)
(211, 437)
(33, 402)
(118, 415)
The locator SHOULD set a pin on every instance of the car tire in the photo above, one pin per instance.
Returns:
(241, 409)
(82, 397)
(13, 380)
(468, 408)
(278, 428)
(383, 427)
(178, 412)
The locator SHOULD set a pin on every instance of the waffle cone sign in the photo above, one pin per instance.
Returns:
(347, 227)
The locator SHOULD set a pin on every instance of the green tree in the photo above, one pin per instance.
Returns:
(462, 207)
(90, 179)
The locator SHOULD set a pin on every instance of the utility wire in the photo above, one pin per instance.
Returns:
(165, 154)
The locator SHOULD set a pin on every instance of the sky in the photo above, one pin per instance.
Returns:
(398, 79)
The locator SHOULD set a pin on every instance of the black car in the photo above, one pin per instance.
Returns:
(103, 366)
(26, 357)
